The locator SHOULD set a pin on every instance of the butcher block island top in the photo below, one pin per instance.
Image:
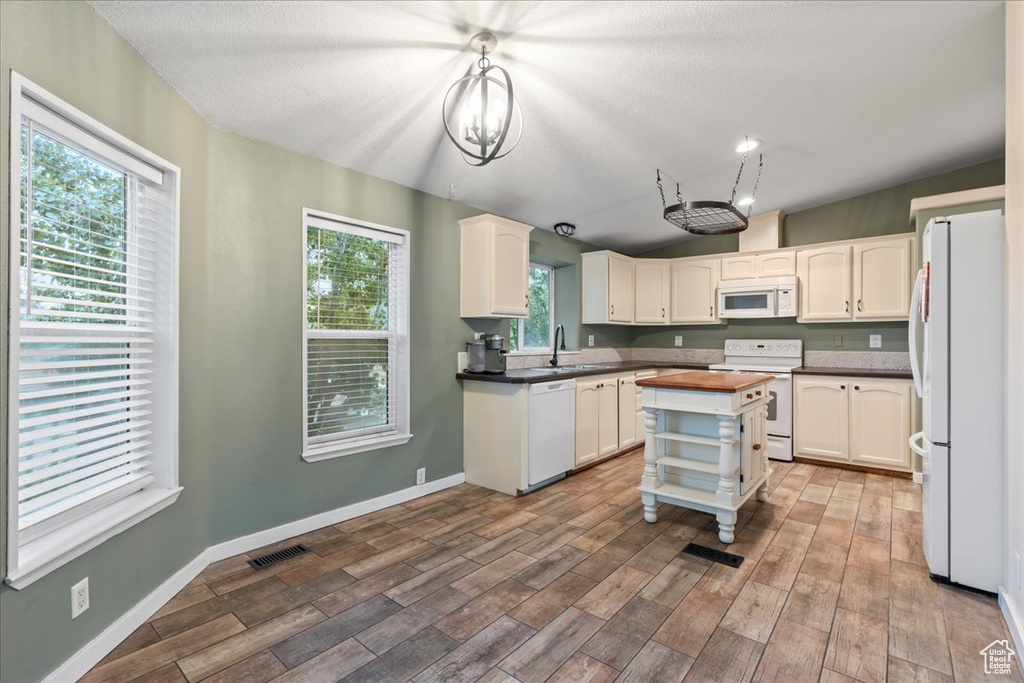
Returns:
(716, 382)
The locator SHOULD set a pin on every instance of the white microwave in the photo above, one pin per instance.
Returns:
(769, 297)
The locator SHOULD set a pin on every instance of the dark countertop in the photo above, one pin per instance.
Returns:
(524, 376)
(855, 372)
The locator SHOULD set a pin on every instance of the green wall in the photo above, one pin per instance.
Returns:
(241, 271)
(884, 212)
(68, 49)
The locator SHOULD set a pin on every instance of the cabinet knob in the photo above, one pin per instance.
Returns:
(843, 387)
(856, 388)
(758, 393)
(749, 395)
(756, 447)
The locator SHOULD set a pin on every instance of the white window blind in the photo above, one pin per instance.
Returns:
(92, 275)
(356, 337)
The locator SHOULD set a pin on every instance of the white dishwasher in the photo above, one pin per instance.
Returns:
(552, 430)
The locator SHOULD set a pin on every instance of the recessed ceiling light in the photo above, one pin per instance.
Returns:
(748, 145)
(746, 201)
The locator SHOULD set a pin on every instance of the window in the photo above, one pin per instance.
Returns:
(536, 332)
(356, 336)
(93, 439)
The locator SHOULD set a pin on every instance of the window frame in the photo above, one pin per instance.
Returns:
(30, 560)
(520, 323)
(315, 449)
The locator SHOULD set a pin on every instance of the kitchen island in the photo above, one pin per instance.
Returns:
(705, 436)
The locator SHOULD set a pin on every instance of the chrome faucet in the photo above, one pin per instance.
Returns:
(554, 358)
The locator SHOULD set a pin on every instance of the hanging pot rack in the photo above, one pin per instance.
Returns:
(710, 217)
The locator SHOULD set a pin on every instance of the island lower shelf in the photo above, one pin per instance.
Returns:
(705, 444)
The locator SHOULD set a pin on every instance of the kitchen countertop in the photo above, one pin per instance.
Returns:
(855, 372)
(524, 376)
(715, 382)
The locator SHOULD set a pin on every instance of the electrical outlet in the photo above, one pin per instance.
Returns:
(875, 341)
(590, 340)
(463, 361)
(79, 597)
(421, 475)
(1016, 569)
(679, 340)
(838, 341)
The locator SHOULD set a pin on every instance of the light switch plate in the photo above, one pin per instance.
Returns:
(875, 341)
(590, 340)
(462, 362)
(679, 340)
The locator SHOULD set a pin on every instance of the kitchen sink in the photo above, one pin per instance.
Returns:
(583, 367)
(544, 371)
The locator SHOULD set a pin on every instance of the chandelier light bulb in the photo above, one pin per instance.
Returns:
(748, 145)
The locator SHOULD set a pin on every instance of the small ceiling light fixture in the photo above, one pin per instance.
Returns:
(565, 229)
(480, 113)
(713, 217)
(748, 145)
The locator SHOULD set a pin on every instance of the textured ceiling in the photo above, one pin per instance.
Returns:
(848, 97)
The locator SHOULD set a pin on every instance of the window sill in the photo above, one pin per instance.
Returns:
(41, 556)
(339, 450)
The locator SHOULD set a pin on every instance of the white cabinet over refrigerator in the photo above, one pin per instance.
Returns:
(961, 379)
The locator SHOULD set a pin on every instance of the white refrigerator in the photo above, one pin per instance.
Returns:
(960, 377)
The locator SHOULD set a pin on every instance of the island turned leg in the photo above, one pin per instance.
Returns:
(650, 476)
(726, 485)
(762, 490)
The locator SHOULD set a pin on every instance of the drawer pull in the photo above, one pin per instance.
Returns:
(758, 393)
(749, 396)
(756, 447)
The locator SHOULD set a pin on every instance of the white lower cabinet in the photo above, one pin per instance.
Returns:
(853, 420)
(881, 421)
(608, 417)
(587, 411)
(628, 433)
(597, 418)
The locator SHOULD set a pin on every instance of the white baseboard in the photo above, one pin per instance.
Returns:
(1014, 618)
(259, 539)
(98, 648)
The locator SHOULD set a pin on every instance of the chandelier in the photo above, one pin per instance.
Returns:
(709, 216)
(480, 113)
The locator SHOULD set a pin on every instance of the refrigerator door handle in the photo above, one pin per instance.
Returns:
(915, 364)
(915, 444)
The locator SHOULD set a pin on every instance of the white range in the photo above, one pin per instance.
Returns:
(777, 357)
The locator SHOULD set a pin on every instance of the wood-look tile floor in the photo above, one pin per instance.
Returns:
(571, 584)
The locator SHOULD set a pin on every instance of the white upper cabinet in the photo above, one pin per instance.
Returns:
(824, 284)
(607, 288)
(652, 291)
(739, 267)
(694, 287)
(776, 264)
(494, 268)
(883, 279)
